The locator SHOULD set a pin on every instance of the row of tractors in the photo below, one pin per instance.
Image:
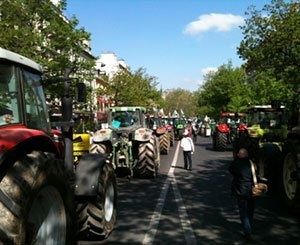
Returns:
(273, 146)
(58, 181)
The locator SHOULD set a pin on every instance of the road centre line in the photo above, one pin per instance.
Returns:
(185, 222)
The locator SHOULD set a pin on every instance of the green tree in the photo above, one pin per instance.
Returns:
(272, 40)
(132, 88)
(181, 99)
(38, 30)
(271, 49)
(226, 89)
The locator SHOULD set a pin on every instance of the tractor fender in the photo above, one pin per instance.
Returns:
(142, 134)
(87, 174)
(271, 149)
(223, 128)
(272, 153)
(102, 135)
(39, 143)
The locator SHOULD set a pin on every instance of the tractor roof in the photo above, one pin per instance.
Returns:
(264, 108)
(17, 58)
(232, 114)
(127, 108)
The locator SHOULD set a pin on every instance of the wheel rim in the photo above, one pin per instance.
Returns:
(289, 184)
(109, 202)
(47, 217)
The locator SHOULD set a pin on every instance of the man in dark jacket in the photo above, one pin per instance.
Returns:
(241, 189)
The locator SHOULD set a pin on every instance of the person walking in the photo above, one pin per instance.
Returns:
(187, 145)
(241, 189)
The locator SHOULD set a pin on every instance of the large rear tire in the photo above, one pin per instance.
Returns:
(164, 143)
(36, 202)
(290, 186)
(221, 141)
(97, 218)
(148, 160)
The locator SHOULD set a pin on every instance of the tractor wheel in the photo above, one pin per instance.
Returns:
(148, 160)
(98, 148)
(97, 218)
(36, 204)
(221, 141)
(164, 143)
(172, 138)
(291, 187)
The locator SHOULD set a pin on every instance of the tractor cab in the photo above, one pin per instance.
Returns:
(22, 100)
(267, 121)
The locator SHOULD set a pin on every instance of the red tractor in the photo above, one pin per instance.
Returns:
(230, 125)
(40, 188)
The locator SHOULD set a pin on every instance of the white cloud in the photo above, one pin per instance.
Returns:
(213, 21)
(207, 70)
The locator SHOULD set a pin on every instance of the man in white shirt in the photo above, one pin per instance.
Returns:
(187, 145)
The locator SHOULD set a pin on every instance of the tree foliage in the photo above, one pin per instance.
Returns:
(181, 99)
(272, 40)
(38, 30)
(271, 49)
(224, 90)
(132, 88)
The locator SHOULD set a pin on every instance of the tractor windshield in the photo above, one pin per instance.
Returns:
(266, 119)
(121, 119)
(9, 96)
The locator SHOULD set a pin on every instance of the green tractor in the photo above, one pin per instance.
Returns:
(264, 137)
(133, 148)
(179, 126)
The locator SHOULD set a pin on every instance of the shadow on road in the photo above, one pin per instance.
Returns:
(213, 212)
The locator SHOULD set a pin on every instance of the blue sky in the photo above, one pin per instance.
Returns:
(176, 41)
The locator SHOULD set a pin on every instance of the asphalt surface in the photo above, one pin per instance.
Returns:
(195, 207)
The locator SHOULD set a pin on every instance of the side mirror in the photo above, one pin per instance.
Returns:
(81, 92)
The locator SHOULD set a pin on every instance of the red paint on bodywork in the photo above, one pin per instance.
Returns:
(12, 135)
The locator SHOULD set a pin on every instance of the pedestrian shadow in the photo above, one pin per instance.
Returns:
(175, 166)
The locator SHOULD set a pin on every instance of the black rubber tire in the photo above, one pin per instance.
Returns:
(291, 149)
(221, 141)
(164, 143)
(92, 224)
(98, 148)
(22, 185)
(147, 164)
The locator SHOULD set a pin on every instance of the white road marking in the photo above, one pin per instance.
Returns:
(185, 222)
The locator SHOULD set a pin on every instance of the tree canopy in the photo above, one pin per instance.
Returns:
(38, 30)
(272, 40)
(181, 99)
(132, 88)
(224, 90)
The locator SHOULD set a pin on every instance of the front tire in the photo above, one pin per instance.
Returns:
(41, 209)
(98, 148)
(97, 218)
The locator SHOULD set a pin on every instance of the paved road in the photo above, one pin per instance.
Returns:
(183, 207)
